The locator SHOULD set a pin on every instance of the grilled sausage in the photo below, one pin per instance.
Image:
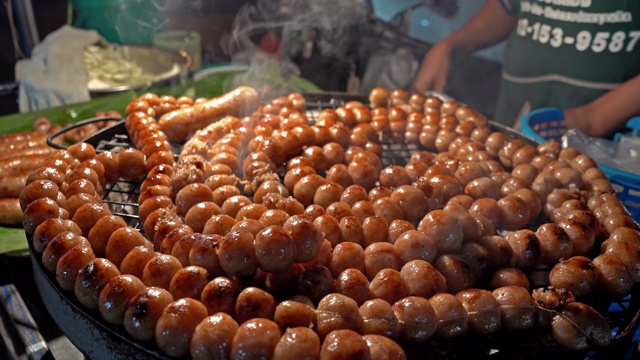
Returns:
(12, 185)
(22, 163)
(181, 123)
(10, 211)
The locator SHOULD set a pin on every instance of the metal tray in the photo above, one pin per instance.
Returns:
(98, 339)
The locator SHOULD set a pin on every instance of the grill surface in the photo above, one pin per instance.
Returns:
(122, 197)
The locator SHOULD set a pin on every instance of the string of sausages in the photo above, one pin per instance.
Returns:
(343, 253)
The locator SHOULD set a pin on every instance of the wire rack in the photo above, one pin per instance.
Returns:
(622, 315)
(121, 197)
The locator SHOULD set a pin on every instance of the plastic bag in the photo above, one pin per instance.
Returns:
(622, 153)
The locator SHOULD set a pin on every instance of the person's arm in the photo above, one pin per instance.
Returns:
(607, 114)
(490, 25)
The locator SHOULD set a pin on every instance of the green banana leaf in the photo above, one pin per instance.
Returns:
(210, 86)
(13, 240)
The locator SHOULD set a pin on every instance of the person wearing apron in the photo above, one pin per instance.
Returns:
(582, 56)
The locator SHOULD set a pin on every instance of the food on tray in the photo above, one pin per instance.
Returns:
(20, 153)
(107, 67)
(80, 133)
(10, 211)
(181, 123)
(278, 233)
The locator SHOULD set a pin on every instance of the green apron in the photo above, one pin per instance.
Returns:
(565, 53)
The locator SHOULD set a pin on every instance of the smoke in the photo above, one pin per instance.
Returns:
(192, 6)
(128, 23)
(304, 28)
(327, 23)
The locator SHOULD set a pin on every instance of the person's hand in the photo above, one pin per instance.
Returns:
(574, 117)
(608, 113)
(584, 119)
(434, 71)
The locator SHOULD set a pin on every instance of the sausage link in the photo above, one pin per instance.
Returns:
(12, 185)
(10, 211)
(19, 154)
(181, 123)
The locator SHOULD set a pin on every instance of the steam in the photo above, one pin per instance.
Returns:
(194, 6)
(137, 24)
(306, 28)
(330, 22)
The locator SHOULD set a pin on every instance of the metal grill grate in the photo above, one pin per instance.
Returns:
(622, 315)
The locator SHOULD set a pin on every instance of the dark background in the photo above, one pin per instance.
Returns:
(475, 82)
(210, 18)
(50, 15)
